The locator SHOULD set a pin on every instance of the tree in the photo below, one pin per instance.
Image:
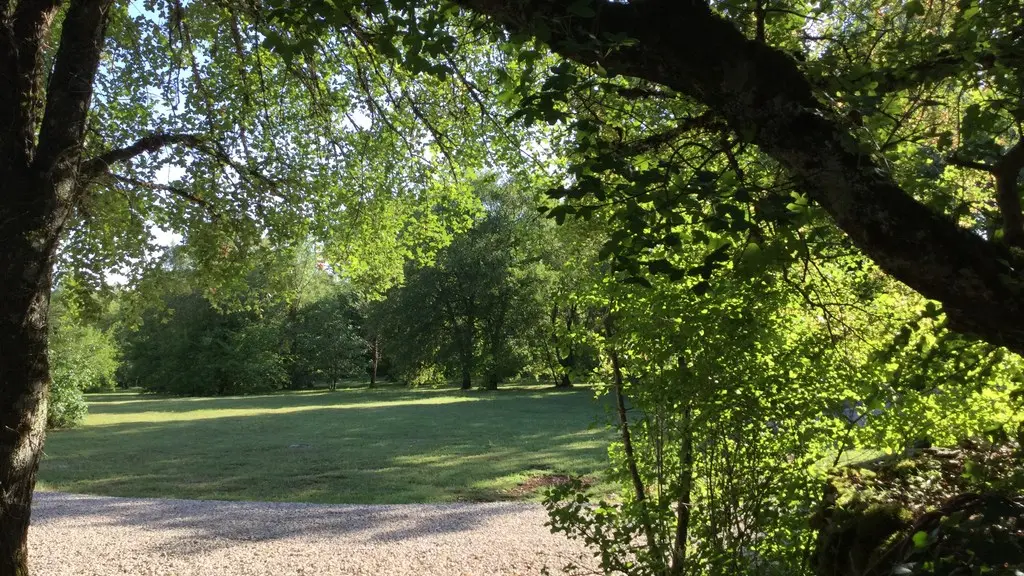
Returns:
(844, 113)
(329, 344)
(477, 309)
(884, 106)
(84, 358)
(267, 142)
(765, 97)
(733, 404)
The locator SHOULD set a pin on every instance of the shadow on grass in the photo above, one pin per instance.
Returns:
(381, 454)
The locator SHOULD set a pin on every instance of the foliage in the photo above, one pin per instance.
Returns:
(291, 323)
(329, 344)
(738, 186)
(739, 397)
(83, 358)
(929, 511)
(191, 348)
(476, 311)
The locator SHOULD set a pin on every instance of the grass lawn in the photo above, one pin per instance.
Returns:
(353, 446)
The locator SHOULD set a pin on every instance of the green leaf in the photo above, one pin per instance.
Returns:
(660, 266)
(914, 8)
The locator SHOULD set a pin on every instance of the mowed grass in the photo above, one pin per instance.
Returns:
(383, 446)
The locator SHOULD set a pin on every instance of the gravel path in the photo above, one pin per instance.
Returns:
(97, 536)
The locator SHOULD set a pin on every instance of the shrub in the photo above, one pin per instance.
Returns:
(82, 358)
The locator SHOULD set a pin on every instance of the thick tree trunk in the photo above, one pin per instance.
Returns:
(467, 379)
(564, 381)
(24, 380)
(41, 140)
(26, 262)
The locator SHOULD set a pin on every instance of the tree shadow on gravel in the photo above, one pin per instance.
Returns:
(222, 523)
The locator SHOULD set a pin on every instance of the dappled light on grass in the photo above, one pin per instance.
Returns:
(351, 446)
(202, 411)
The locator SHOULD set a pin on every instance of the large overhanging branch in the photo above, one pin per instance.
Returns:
(768, 101)
(146, 144)
(100, 165)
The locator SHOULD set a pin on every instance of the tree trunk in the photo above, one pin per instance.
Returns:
(685, 492)
(567, 364)
(465, 337)
(564, 382)
(41, 136)
(374, 361)
(26, 262)
(639, 490)
(24, 383)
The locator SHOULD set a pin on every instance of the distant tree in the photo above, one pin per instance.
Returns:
(187, 346)
(329, 342)
(83, 358)
(477, 310)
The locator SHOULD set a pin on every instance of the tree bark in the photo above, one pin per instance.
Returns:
(27, 264)
(685, 494)
(41, 138)
(564, 381)
(374, 360)
(765, 98)
(639, 490)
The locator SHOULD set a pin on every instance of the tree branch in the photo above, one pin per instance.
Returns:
(763, 95)
(31, 32)
(638, 92)
(69, 94)
(1006, 171)
(659, 139)
(146, 144)
(956, 160)
(179, 192)
(154, 142)
(943, 65)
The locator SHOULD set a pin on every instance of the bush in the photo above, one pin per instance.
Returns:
(82, 358)
(67, 406)
(929, 511)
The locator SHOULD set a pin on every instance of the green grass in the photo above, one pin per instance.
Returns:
(354, 446)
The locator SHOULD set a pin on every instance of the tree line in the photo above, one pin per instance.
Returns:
(489, 308)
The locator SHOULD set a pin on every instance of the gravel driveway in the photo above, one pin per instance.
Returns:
(98, 536)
